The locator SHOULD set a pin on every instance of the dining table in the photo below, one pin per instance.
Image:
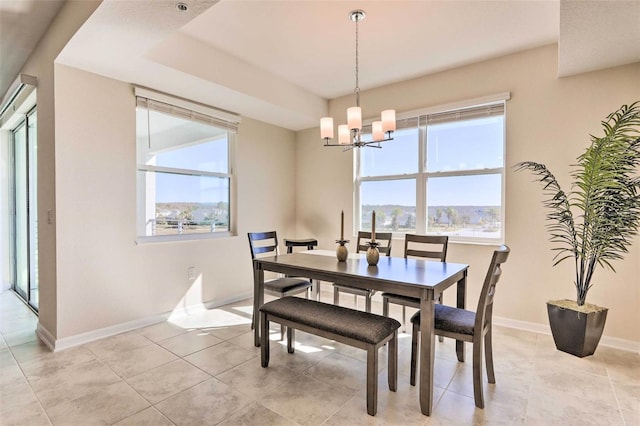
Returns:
(418, 278)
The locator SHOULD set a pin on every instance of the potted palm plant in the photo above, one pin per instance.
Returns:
(593, 224)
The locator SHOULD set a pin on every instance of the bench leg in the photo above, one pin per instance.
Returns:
(372, 380)
(264, 340)
(291, 340)
(393, 362)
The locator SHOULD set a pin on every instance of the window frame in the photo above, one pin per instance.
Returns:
(227, 121)
(422, 175)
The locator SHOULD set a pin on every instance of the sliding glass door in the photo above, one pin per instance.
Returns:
(26, 212)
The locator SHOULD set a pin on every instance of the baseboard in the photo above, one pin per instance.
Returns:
(90, 336)
(612, 342)
(46, 337)
(100, 333)
(82, 338)
(221, 302)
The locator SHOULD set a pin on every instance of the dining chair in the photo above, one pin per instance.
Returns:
(266, 243)
(423, 246)
(382, 238)
(468, 326)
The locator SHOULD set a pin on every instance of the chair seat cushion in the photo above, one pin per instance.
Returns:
(354, 290)
(406, 300)
(450, 319)
(284, 285)
(362, 326)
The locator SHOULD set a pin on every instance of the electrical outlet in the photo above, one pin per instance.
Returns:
(191, 272)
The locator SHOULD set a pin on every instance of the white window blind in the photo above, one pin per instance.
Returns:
(466, 114)
(189, 110)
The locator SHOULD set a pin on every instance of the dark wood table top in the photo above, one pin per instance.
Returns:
(395, 274)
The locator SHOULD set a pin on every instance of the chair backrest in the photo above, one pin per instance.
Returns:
(263, 242)
(382, 238)
(429, 246)
(485, 303)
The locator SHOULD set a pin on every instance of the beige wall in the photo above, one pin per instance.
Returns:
(93, 275)
(548, 120)
(104, 278)
(40, 65)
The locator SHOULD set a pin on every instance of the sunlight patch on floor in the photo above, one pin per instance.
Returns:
(209, 318)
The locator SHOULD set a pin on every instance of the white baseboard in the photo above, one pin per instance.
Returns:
(612, 342)
(100, 333)
(221, 302)
(82, 338)
(46, 337)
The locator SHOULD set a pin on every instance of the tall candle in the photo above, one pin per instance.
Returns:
(373, 226)
(342, 225)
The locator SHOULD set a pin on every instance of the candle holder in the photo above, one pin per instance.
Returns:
(341, 251)
(373, 254)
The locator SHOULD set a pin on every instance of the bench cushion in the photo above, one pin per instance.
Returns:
(362, 326)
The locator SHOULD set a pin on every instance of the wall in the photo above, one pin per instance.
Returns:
(40, 65)
(548, 120)
(103, 276)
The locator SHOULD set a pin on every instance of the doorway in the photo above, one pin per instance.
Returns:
(25, 218)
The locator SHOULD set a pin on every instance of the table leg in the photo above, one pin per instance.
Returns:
(460, 303)
(316, 289)
(258, 300)
(427, 344)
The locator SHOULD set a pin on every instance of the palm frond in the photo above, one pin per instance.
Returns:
(605, 194)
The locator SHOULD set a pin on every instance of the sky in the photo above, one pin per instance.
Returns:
(458, 146)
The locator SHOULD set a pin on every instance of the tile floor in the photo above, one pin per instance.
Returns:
(203, 370)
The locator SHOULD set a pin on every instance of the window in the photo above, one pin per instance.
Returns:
(184, 156)
(442, 174)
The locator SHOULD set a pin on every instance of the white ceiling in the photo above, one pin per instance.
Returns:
(279, 61)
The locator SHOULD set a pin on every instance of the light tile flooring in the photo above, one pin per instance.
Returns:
(202, 369)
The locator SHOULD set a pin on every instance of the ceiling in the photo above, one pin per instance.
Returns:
(22, 24)
(279, 61)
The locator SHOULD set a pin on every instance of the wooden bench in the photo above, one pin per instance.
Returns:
(362, 330)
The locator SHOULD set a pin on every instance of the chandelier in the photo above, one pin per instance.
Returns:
(350, 134)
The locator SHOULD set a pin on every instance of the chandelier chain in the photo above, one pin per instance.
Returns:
(357, 89)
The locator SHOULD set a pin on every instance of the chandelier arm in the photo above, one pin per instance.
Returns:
(354, 117)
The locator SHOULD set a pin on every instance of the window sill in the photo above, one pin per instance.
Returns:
(142, 240)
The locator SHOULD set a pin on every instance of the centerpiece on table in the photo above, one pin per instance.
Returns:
(341, 251)
(373, 254)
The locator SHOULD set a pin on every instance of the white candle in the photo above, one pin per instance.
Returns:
(388, 120)
(354, 118)
(326, 127)
(376, 130)
(373, 226)
(343, 134)
(342, 225)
